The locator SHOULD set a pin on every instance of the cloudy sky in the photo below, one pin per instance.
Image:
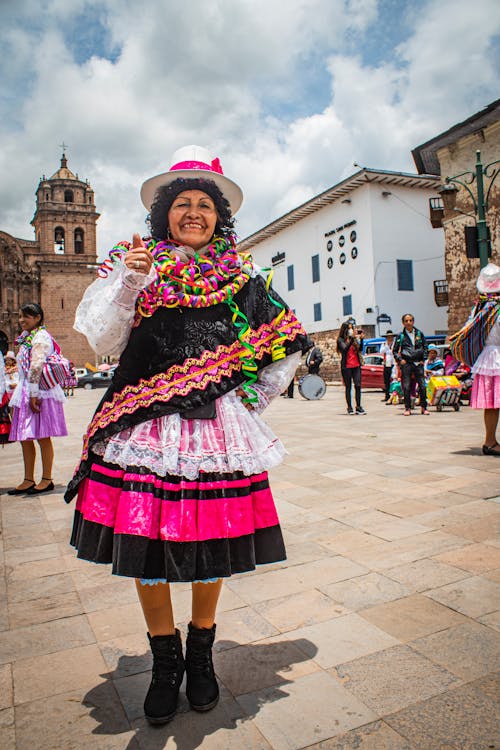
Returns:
(288, 93)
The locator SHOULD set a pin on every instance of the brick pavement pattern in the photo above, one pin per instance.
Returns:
(379, 632)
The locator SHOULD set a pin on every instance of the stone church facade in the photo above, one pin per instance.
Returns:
(55, 268)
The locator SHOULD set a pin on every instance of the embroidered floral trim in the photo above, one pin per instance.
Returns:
(193, 374)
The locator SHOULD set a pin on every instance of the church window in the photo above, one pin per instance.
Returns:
(59, 240)
(79, 241)
(68, 196)
(47, 196)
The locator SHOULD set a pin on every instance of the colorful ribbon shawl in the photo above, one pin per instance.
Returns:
(207, 279)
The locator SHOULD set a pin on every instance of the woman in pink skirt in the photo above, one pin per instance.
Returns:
(173, 481)
(37, 414)
(486, 385)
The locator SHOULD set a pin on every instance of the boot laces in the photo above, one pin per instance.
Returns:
(200, 662)
(165, 666)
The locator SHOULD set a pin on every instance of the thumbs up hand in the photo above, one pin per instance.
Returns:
(139, 258)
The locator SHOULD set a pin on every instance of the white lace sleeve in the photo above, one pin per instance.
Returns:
(106, 312)
(274, 379)
(40, 350)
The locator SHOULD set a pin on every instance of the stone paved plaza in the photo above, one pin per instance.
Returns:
(380, 631)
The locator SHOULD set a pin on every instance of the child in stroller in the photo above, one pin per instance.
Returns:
(461, 371)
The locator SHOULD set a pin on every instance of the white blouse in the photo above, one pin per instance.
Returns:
(236, 440)
(488, 362)
(28, 385)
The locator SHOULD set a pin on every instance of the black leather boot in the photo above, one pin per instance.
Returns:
(168, 670)
(202, 690)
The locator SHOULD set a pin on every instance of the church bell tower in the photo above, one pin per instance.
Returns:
(64, 255)
(65, 216)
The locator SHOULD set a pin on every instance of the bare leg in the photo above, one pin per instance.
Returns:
(204, 603)
(47, 451)
(29, 455)
(157, 608)
(490, 425)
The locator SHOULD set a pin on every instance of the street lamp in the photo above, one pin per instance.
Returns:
(448, 193)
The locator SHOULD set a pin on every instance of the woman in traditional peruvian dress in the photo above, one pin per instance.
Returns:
(486, 369)
(37, 412)
(173, 482)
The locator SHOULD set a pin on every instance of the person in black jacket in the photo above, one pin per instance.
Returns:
(349, 346)
(410, 350)
(314, 359)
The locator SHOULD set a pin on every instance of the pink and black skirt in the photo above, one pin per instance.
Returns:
(175, 529)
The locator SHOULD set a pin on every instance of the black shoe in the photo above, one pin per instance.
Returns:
(21, 492)
(33, 490)
(360, 410)
(202, 690)
(160, 705)
(489, 450)
(350, 410)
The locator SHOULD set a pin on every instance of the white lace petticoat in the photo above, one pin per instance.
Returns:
(236, 440)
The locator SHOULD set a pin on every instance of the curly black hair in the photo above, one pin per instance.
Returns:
(157, 220)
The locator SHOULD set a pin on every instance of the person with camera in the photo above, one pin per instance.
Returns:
(349, 346)
(410, 350)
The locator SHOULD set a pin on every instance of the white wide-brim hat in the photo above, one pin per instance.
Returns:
(194, 162)
(489, 279)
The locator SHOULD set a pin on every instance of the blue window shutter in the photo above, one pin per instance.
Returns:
(315, 267)
(405, 275)
(317, 311)
(347, 304)
(291, 281)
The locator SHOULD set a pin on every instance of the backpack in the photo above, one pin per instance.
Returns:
(56, 369)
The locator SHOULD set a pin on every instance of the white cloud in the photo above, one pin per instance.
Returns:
(207, 73)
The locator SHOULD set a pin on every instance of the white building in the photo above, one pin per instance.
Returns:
(363, 249)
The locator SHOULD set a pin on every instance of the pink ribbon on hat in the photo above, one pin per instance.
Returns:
(215, 166)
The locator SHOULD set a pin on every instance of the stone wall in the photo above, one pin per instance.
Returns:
(462, 272)
(56, 284)
(327, 342)
(62, 288)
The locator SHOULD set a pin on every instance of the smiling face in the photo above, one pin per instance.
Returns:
(28, 322)
(192, 218)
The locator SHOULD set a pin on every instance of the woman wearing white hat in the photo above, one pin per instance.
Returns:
(486, 384)
(478, 345)
(173, 484)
